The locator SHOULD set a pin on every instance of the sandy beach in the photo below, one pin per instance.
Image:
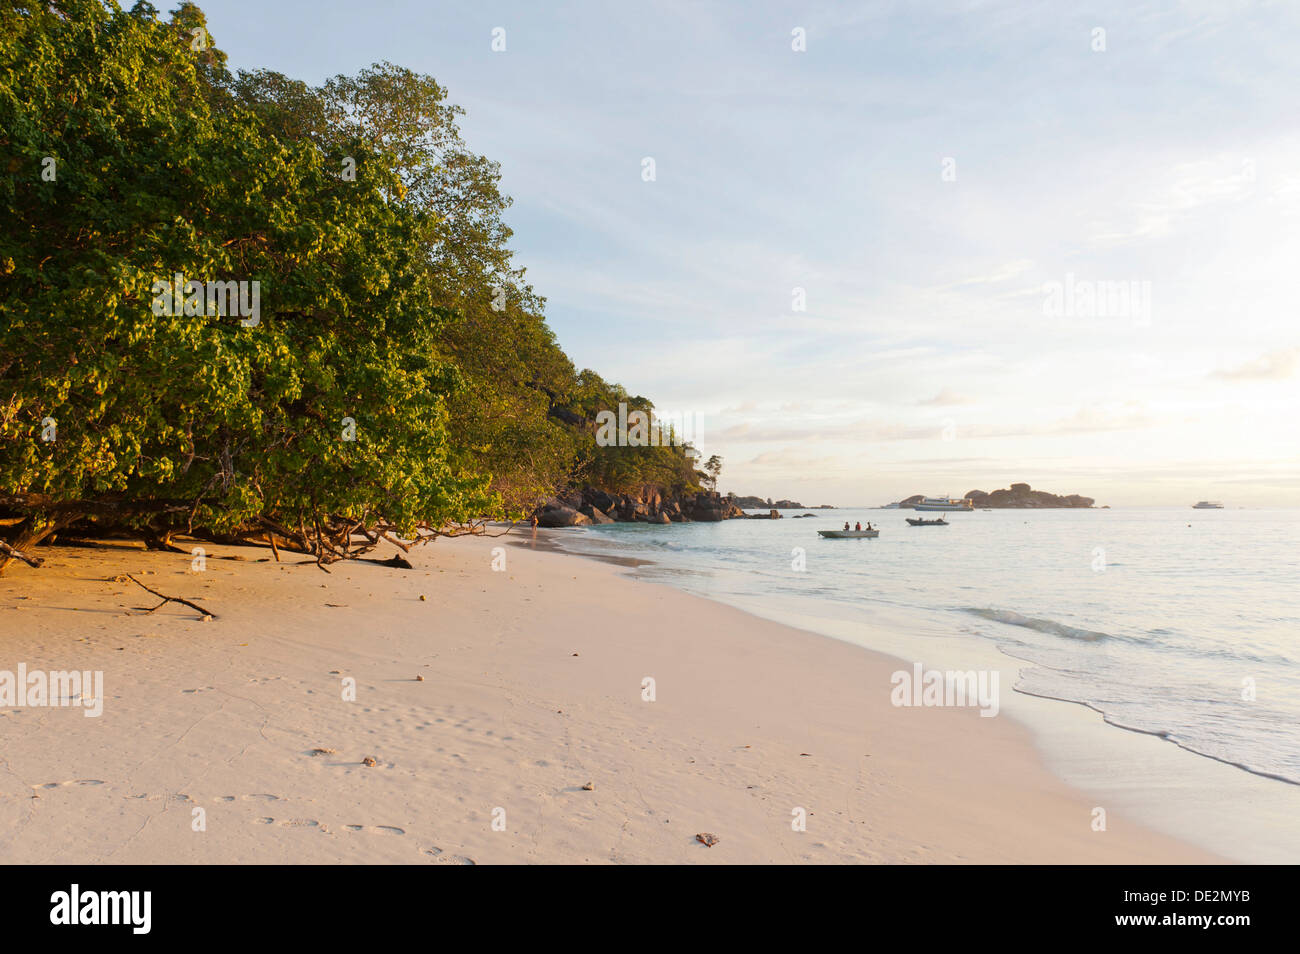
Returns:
(527, 739)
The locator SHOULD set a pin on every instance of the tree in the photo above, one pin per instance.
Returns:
(398, 373)
(196, 418)
(713, 467)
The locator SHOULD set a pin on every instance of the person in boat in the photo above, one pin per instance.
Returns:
(846, 524)
(857, 526)
(868, 524)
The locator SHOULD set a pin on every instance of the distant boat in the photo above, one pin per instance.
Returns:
(1207, 505)
(917, 522)
(943, 503)
(848, 534)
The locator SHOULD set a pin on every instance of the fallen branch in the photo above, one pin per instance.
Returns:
(160, 540)
(404, 547)
(7, 550)
(396, 562)
(169, 599)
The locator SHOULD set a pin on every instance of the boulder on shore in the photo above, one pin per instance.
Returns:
(646, 506)
(555, 514)
(595, 514)
(602, 501)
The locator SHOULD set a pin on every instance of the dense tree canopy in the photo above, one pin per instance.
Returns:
(396, 371)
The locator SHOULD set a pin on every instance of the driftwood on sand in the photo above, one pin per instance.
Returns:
(170, 599)
(14, 554)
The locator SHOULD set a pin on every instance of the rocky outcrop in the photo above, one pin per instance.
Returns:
(555, 513)
(595, 514)
(1016, 497)
(591, 506)
(710, 507)
(1024, 497)
(759, 503)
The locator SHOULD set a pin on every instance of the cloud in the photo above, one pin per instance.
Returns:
(1274, 366)
(1094, 420)
(946, 398)
(1002, 273)
(859, 431)
(1178, 193)
(792, 457)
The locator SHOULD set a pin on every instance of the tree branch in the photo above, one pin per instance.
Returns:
(10, 552)
(170, 599)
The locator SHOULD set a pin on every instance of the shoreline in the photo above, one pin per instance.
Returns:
(532, 688)
(1168, 786)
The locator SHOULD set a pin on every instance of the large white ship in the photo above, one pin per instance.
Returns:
(1207, 505)
(943, 503)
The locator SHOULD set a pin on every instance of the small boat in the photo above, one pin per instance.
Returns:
(848, 534)
(1207, 505)
(927, 523)
(943, 503)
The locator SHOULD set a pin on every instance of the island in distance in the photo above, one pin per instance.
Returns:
(1016, 497)
(756, 503)
(589, 505)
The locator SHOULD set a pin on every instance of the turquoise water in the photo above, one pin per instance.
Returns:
(1163, 620)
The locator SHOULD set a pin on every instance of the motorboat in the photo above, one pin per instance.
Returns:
(943, 503)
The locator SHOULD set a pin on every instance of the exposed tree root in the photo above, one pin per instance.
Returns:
(31, 519)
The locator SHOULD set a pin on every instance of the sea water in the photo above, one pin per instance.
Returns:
(1176, 622)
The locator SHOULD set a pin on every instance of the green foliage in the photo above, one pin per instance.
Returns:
(153, 180)
(388, 297)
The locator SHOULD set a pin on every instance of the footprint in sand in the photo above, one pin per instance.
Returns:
(261, 798)
(376, 829)
(75, 781)
(299, 823)
(442, 858)
(177, 797)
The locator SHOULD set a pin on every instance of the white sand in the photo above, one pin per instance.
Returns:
(224, 715)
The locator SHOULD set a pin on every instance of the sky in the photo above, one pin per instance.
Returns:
(944, 246)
